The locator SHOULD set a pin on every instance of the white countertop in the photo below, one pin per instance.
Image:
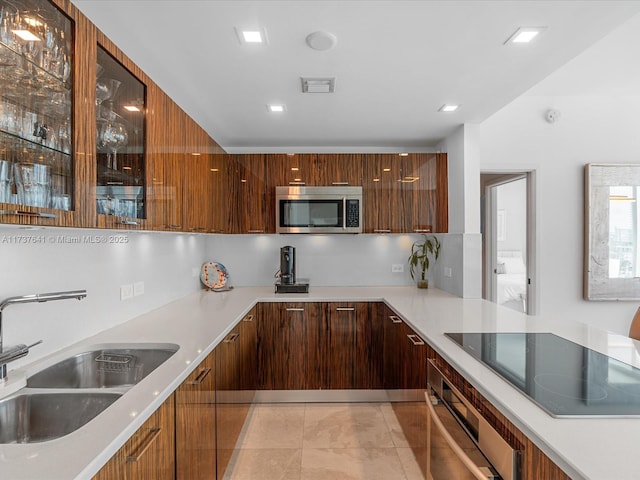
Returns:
(592, 448)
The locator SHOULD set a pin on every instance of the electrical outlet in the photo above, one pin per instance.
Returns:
(126, 292)
(397, 268)
(448, 272)
(138, 289)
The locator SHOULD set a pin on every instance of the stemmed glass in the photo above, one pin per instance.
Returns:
(113, 135)
(106, 90)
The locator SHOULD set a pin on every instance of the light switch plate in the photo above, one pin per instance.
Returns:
(126, 292)
(397, 268)
(138, 289)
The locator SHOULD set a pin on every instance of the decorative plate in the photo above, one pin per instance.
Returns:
(215, 276)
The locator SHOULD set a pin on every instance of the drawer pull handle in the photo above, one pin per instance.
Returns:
(129, 222)
(248, 318)
(154, 432)
(201, 376)
(415, 339)
(231, 338)
(28, 214)
(339, 183)
(256, 231)
(291, 309)
(345, 309)
(174, 227)
(395, 319)
(422, 230)
(381, 230)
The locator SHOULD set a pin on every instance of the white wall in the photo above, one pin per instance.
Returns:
(590, 130)
(44, 260)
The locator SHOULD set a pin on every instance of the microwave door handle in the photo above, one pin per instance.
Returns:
(457, 450)
(344, 213)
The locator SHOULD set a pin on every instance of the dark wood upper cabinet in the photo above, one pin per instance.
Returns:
(405, 194)
(251, 211)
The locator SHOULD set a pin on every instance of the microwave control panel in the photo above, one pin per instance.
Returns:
(353, 213)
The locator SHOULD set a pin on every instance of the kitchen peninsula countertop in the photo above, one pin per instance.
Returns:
(588, 448)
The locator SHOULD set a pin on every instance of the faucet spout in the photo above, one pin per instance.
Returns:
(10, 354)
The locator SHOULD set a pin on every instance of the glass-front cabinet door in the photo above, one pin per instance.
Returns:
(36, 65)
(120, 140)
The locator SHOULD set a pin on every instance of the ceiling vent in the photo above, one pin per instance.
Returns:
(318, 85)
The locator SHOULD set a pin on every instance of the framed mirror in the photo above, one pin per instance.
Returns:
(612, 232)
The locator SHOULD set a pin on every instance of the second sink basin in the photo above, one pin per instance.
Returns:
(104, 367)
(32, 418)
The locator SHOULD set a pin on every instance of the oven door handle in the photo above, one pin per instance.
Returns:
(459, 452)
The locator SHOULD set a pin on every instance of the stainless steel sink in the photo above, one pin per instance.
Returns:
(37, 417)
(104, 367)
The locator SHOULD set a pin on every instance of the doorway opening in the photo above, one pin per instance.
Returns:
(508, 237)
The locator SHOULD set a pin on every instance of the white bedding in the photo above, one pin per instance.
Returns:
(511, 278)
(512, 286)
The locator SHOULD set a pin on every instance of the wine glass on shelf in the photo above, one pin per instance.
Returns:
(106, 89)
(113, 135)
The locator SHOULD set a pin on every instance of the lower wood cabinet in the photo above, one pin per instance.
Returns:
(285, 362)
(149, 453)
(405, 353)
(196, 423)
(235, 386)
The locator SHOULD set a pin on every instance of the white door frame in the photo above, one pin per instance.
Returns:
(490, 220)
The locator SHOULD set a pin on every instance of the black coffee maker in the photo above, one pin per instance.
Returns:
(288, 265)
(287, 281)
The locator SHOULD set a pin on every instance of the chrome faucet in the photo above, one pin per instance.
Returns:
(9, 354)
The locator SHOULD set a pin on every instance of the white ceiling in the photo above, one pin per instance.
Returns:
(396, 63)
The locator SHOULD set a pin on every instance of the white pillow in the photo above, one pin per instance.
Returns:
(512, 264)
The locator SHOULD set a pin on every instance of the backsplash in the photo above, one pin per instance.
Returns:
(327, 260)
(100, 261)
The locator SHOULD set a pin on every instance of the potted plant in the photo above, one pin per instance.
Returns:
(419, 259)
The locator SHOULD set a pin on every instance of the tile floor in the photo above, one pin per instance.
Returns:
(323, 441)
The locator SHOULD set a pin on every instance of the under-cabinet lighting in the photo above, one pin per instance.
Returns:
(131, 108)
(525, 34)
(448, 108)
(26, 35)
(196, 154)
(276, 108)
(297, 179)
(403, 154)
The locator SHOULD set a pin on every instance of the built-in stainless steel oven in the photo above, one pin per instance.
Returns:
(460, 442)
(302, 209)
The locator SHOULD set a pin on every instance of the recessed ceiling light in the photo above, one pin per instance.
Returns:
(448, 108)
(524, 34)
(252, 36)
(274, 108)
(131, 108)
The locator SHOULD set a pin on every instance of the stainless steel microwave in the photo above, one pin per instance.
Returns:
(301, 209)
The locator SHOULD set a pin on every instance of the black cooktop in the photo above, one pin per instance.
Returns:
(562, 377)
